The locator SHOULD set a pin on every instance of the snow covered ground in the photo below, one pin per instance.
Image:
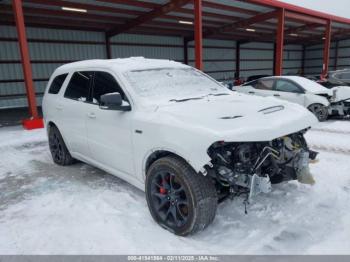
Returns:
(46, 209)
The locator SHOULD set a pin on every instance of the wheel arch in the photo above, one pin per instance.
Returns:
(49, 125)
(156, 154)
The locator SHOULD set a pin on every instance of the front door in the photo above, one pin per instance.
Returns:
(288, 90)
(71, 112)
(109, 131)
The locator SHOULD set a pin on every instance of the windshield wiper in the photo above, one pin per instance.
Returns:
(185, 99)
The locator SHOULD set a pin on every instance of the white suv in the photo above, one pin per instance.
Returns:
(176, 133)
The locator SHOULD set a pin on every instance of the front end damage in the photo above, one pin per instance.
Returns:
(251, 167)
(340, 102)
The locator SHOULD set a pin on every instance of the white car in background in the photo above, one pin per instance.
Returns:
(319, 100)
(175, 133)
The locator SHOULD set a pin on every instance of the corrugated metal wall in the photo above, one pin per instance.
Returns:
(314, 57)
(162, 47)
(257, 59)
(343, 54)
(293, 55)
(49, 48)
(219, 58)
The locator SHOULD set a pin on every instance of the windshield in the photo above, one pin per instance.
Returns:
(173, 83)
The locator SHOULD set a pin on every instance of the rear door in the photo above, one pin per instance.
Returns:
(109, 131)
(72, 110)
(290, 91)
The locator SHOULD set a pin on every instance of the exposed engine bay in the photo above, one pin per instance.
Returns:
(252, 167)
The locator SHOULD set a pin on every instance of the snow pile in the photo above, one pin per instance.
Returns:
(47, 209)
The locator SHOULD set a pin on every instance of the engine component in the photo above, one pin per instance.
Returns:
(255, 166)
(259, 185)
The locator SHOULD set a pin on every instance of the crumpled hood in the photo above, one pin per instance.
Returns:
(239, 117)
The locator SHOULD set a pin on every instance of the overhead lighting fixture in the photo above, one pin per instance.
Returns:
(250, 29)
(186, 22)
(293, 35)
(323, 38)
(74, 9)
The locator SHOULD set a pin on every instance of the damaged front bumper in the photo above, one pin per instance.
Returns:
(252, 167)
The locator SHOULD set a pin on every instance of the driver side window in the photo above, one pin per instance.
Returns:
(287, 86)
(105, 83)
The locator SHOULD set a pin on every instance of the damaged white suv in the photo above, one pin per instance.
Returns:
(176, 133)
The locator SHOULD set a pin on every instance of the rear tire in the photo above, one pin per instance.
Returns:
(320, 111)
(58, 148)
(179, 199)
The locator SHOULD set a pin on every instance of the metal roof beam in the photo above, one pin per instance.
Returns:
(88, 7)
(136, 3)
(63, 14)
(229, 8)
(157, 12)
(302, 28)
(62, 22)
(299, 10)
(305, 18)
(239, 24)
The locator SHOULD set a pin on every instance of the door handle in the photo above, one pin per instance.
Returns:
(276, 95)
(251, 92)
(91, 115)
(59, 107)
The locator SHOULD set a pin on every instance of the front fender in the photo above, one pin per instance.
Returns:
(188, 143)
(196, 161)
(315, 99)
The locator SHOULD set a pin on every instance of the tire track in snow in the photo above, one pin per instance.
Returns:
(331, 149)
(332, 131)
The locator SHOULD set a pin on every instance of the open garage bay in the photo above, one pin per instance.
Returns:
(48, 209)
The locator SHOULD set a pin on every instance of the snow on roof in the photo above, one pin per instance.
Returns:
(123, 64)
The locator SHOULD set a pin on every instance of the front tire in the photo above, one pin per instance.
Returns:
(178, 198)
(320, 111)
(59, 151)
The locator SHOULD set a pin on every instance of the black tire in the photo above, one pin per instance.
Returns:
(58, 148)
(320, 111)
(194, 197)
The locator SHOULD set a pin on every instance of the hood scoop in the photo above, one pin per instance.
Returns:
(230, 117)
(272, 109)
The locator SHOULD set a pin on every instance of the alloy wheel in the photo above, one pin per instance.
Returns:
(169, 199)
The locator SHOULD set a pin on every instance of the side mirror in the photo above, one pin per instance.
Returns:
(113, 101)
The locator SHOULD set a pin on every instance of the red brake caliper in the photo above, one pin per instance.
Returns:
(162, 190)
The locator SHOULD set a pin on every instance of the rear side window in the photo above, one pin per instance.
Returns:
(78, 87)
(105, 83)
(265, 84)
(57, 84)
